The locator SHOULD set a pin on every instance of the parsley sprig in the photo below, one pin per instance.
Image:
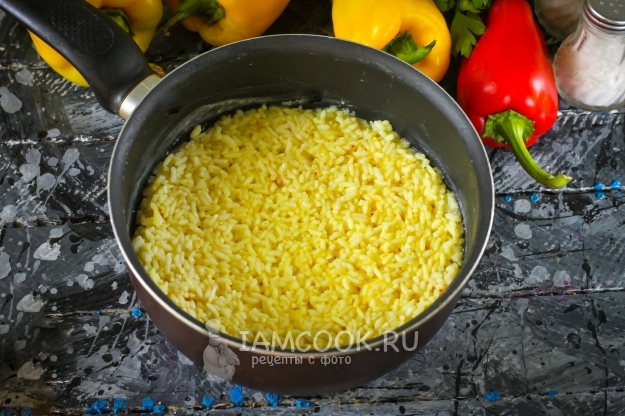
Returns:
(466, 23)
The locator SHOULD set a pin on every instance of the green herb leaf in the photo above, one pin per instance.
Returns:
(481, 5)
(464, 28)
(467, 6)
(473, 6)
(444, 5)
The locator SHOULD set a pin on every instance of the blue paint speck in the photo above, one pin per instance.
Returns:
(492, 396)
(27, 411)
(236, 395)
(507, 198)
(615, 184)
(97, 313)
(208, 401)
(598, 186)
(98, 408)
(148, 404)
(118, 405)
(534, 197)
(302, 404)
(552, 393)
(100, 404)
(7, 412)
(272, 399)
(136, 312)
(161, 408)
(600, 195)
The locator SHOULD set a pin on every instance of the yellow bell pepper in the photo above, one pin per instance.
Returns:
(226, 21)
(398, 26)
(139, 18)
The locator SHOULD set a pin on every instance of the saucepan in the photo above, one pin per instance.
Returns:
(306, 70)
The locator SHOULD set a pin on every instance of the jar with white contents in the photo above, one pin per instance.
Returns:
(590, 64)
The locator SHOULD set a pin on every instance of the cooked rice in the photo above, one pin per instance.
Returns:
(293, 220)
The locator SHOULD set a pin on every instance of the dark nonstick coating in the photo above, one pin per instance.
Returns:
(312, 71)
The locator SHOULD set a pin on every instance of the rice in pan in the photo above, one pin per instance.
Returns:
(291, 220)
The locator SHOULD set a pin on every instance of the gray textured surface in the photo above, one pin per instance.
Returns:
(540, 323)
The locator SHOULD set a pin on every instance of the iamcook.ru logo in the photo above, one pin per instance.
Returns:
(323, 341)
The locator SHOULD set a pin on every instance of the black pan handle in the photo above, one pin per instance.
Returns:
(103, 53)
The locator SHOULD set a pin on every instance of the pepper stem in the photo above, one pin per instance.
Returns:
(209, 10)
(404, 47)
(514, 129)
(119, 17)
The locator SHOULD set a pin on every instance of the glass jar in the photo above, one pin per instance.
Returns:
(559, 17)
(590, 64)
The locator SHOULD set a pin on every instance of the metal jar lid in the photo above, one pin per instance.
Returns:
(606, 14)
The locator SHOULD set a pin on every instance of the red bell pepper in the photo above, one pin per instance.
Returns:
(507, 87)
